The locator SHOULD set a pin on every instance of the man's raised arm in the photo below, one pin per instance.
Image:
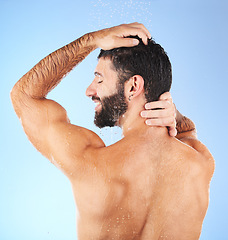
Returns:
(44, 121)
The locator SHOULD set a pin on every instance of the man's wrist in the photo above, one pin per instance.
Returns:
(96, 37)
(89, 41)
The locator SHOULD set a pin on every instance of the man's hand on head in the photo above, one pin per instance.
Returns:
(115, 37)
(161, 113)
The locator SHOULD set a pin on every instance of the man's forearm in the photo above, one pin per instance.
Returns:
(48, 72)
(45, 75)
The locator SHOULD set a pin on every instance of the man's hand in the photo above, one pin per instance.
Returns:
(161, 113)
(115, 37)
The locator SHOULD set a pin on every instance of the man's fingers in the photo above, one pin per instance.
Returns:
(141, 31)
(172, 132)
(118, 36)
(157, 113)
(126, 42)
(140, 25)
(162, 122)
(166, 96)
(157, 104)
(136, 31)
(161, 113)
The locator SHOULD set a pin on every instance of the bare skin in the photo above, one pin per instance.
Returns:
(148, 185)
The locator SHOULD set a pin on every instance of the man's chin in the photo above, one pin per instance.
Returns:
(102, 122)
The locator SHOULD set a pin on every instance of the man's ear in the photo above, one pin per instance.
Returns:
(134, 87)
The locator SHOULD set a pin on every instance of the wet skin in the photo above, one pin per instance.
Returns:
(146, 186)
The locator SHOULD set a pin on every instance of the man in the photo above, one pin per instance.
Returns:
(148, 185)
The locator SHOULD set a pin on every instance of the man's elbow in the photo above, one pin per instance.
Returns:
(15, 96)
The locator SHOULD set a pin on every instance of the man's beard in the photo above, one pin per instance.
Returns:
(113, 107)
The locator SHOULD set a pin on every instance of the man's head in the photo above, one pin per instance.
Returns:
(147, 63)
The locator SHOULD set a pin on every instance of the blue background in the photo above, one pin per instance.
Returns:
(36, 201)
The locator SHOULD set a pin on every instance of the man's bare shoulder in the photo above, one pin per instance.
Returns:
(197, 154)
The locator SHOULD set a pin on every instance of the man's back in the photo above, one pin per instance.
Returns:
(149, 187)
(146, 186)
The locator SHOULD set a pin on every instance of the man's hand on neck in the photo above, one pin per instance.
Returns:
(161, 113)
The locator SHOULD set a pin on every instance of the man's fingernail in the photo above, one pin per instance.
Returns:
(148, 122)
(135, 41)
(147, 106)
(143, 114)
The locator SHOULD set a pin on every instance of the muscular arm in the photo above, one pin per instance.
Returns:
(44, 121)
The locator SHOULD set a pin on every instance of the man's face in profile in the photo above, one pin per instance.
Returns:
(113, 107)
(108, 95)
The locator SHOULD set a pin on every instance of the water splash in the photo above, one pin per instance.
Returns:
(109, 13)
(110, 135)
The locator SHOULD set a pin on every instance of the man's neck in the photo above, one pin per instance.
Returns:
(133, 123)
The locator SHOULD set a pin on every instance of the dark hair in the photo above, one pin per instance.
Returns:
(149, 61)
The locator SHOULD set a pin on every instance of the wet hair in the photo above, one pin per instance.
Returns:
(149, 61)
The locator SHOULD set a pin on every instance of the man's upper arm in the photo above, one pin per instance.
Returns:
(47, 126)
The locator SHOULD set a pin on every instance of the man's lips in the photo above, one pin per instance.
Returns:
(97, 105)
(97, 102)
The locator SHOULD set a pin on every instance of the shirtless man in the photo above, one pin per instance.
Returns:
(147, 186)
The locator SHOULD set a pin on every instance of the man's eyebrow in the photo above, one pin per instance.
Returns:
(98, 74)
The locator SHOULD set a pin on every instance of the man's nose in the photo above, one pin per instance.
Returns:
(91, 90)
